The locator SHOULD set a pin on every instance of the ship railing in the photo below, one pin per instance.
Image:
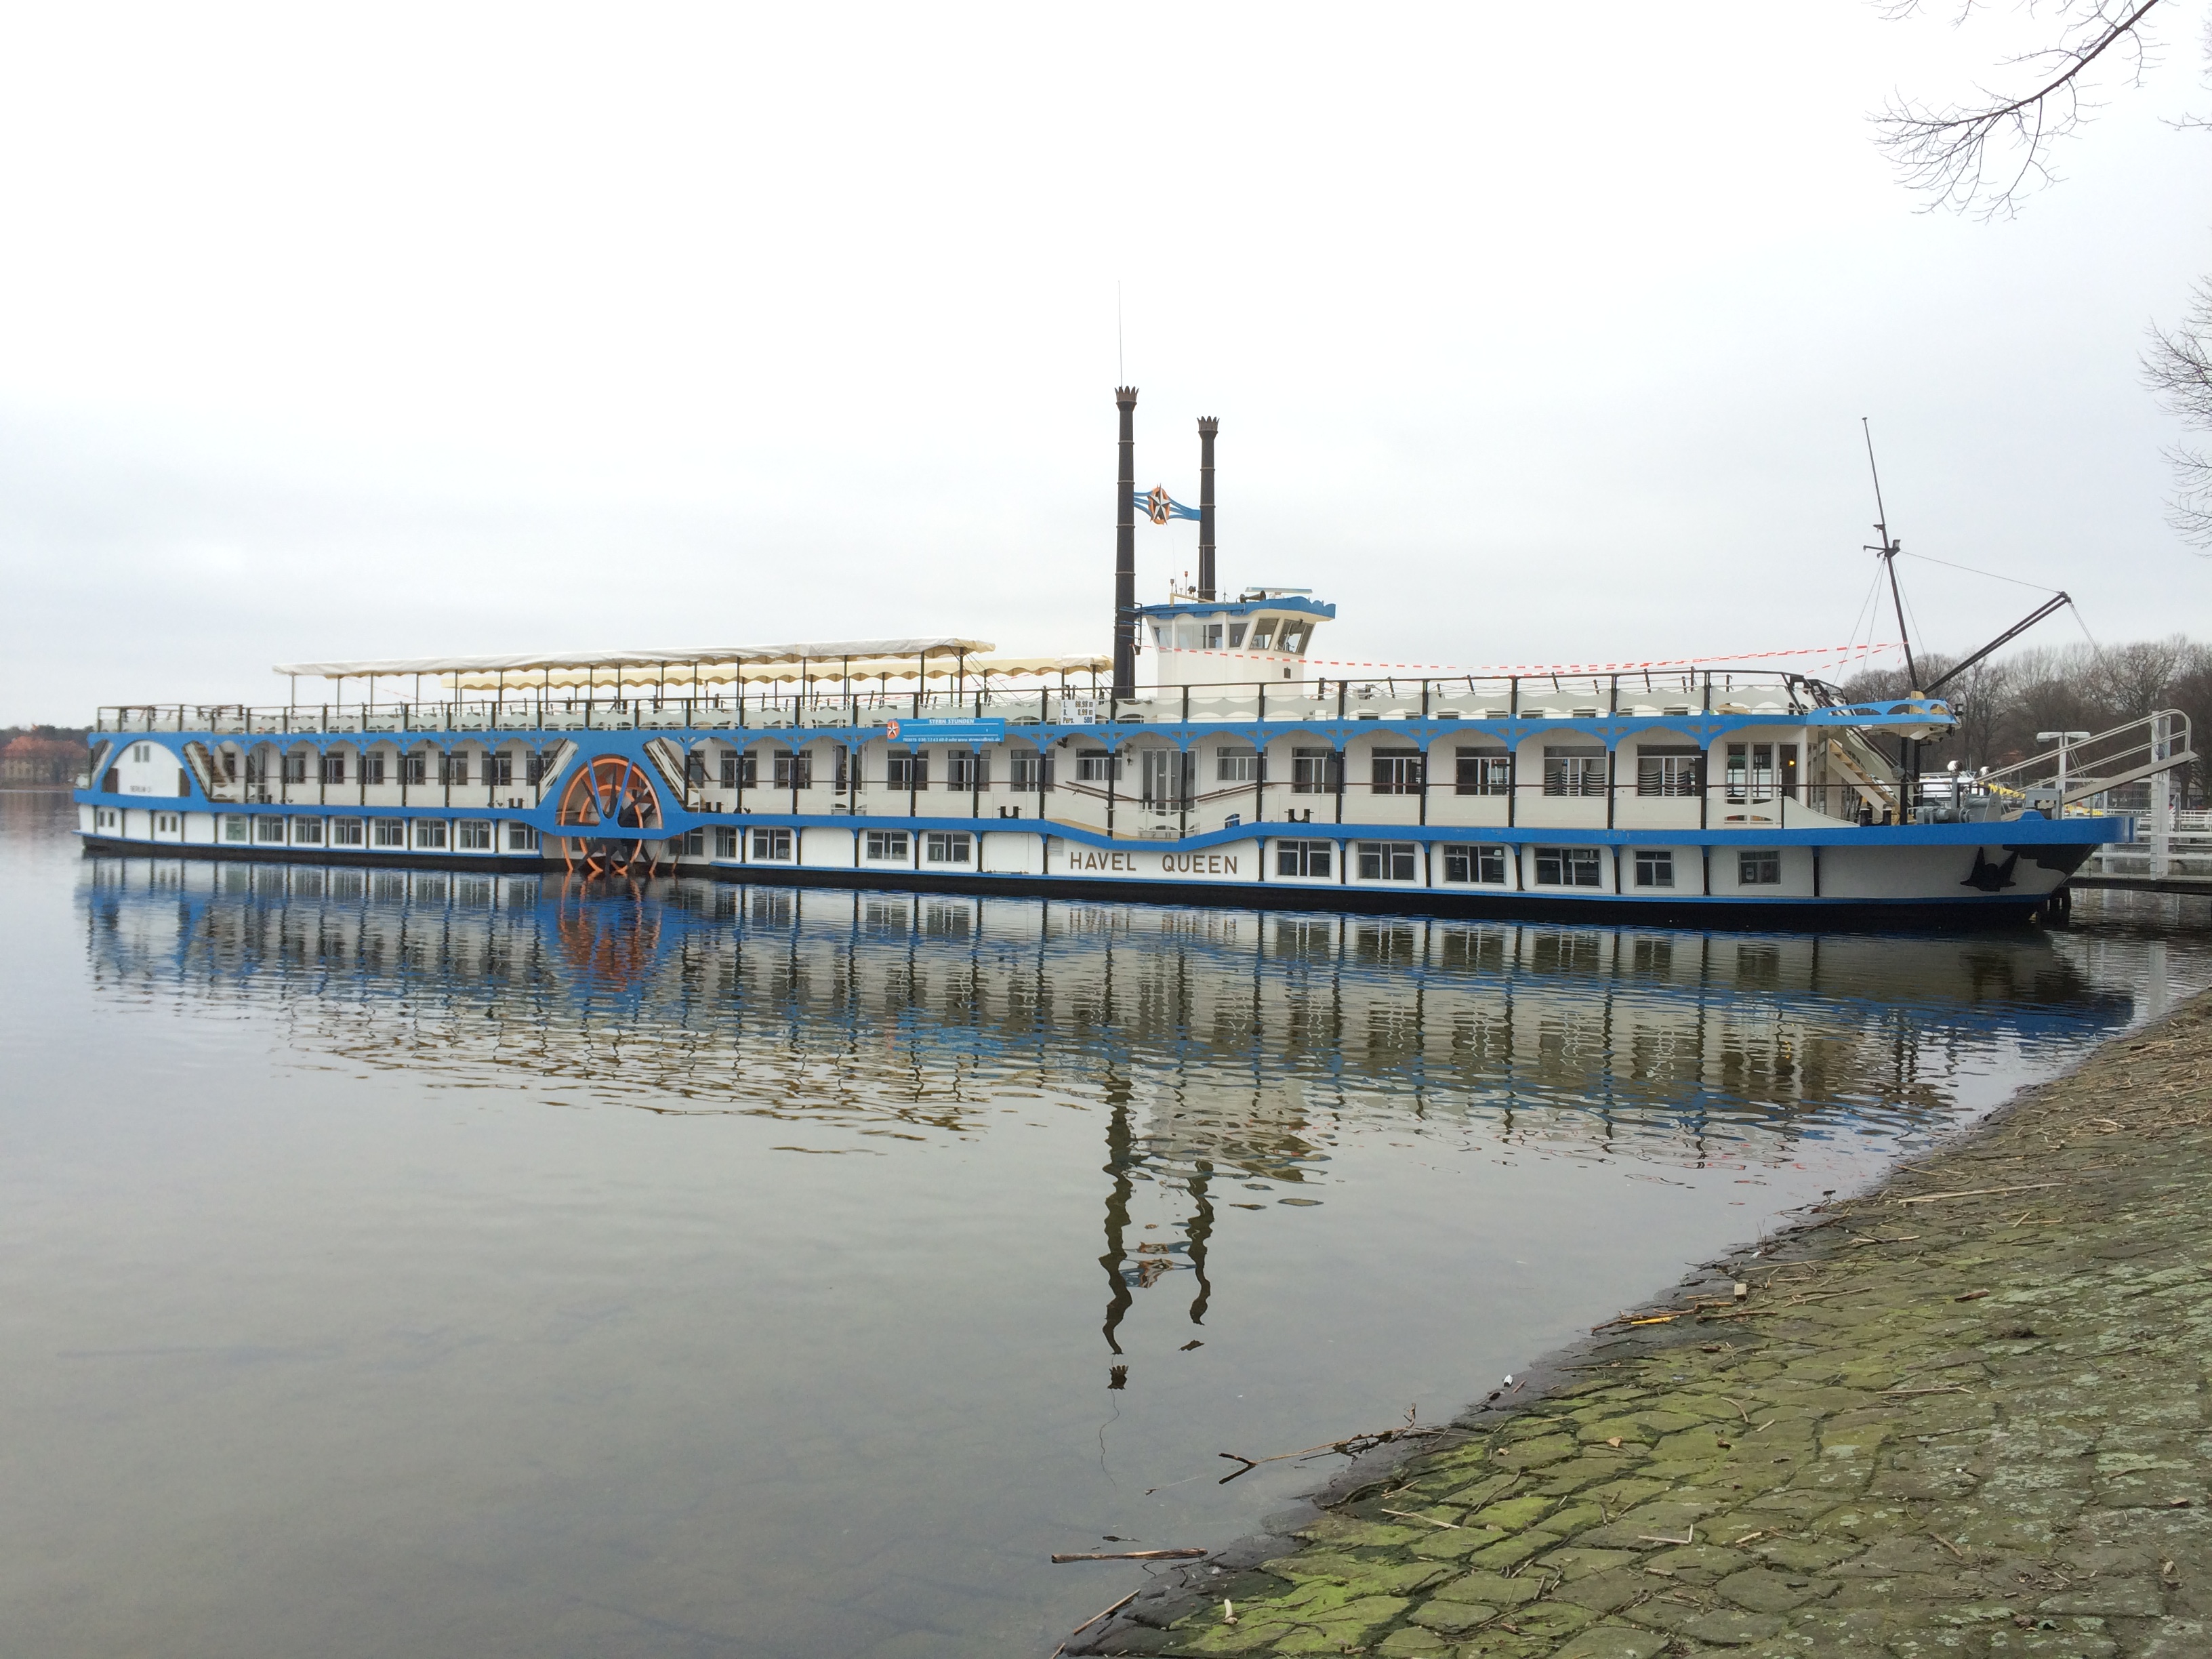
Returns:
(1678, 694)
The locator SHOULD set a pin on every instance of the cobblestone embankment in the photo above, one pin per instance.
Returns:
(1963, 1414)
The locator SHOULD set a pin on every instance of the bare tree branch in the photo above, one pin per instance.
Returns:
(1984, 158)
(2178, 367)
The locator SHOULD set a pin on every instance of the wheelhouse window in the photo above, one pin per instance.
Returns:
(947, 847)
(1568, 866)
(1397, 771)
(389, 832)
(1475, 864)
(1304, 858)
(1237, 634)
(793, 771)
(1315, 771)
(773, 846)
(1294, 637)
(1483, 772)
(1263, 633)
(1667, 769)
(967, 769)
(1762, 869)
(908, 769)
(1389, 860)
(1573, 771)
(888, 846)
(1655, 866)
(1236, 766)
(473, 836)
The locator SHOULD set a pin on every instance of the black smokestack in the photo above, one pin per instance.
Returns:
(1207, 426)
(1125, 550)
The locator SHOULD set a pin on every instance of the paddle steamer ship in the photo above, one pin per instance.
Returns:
(1243, 768)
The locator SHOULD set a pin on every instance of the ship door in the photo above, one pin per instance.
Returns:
(1163, 778)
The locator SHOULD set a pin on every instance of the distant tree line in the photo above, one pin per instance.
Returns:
(2003, 703)
(36, 756)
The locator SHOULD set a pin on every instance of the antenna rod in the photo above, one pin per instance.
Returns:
(1889, 549)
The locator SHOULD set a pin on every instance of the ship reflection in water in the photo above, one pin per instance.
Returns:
(1228, 1053)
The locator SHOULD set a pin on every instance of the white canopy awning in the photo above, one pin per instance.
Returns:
(581, 662)
(680, 677)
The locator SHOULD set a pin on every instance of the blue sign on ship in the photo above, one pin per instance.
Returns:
(929, 731)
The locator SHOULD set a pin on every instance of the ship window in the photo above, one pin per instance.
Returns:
(391, 832)
(1567, 867)
(1569, 771)
(794, 771)
(1667, 769)
(454, 768)
(888, 845)
(1759, 869)
(726, 842)
(1032, 772)
(1262, 631)
(691, 844)
(499, 770)
(1237, 634)
(295, 769)
(1655, 868)
(946, 846)
(1750, 771)
(694, 769)
(430, 833)
(306, 832)
(521, 838)
(1315, 771)
(234, 828)
(413, 768)
(967, 769)
(773, 845)
(1389, 860)
(1302, 858)
(1484, 772)
(1294, 637)
(1236, 766)
(473, 836)
(1095, 766)
(739, 771)
(533, 767)
(909, 768)
(268, 829)
(1485, 864)
(1397, 771)
(371, 768)
(334, 769)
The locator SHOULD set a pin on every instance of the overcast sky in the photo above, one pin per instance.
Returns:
(1535, 335)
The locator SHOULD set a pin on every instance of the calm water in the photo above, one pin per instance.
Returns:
(428, 1265)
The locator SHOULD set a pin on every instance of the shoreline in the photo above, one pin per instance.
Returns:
(1959, 1411)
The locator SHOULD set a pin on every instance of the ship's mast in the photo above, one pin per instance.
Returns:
(1888, 550)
